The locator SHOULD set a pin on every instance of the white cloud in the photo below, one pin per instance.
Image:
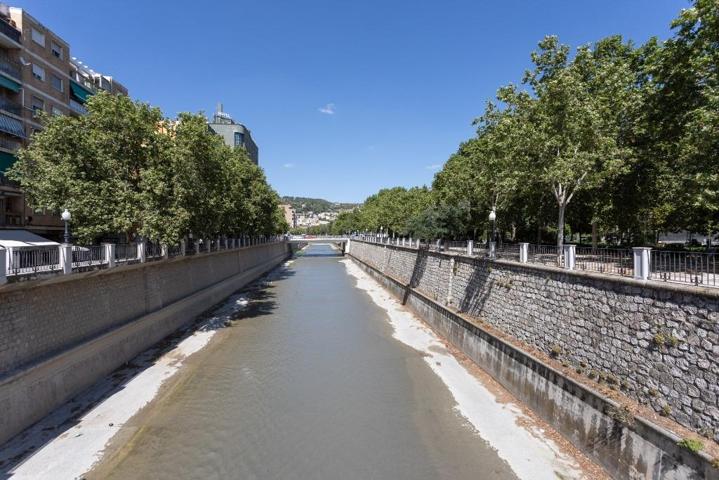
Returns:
(328, 109)
(289, 165)
(434, 167)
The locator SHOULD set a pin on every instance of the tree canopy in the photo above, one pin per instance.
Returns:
(124, 169)
(610, 138)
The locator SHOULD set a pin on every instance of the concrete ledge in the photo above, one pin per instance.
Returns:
(28, 395)
(626, 448)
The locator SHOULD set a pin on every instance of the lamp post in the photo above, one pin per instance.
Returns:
(493, 219)
(66, 217)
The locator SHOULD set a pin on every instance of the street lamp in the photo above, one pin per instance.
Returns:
(493, 219)
(66, 217)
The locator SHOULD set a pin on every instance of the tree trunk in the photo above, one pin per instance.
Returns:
(560, 227)
(539, 233)
(595, 234)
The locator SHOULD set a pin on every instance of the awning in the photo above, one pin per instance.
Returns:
(11, 126)
(6, 161)
(79, 92)
(9, 84)
(23, 238)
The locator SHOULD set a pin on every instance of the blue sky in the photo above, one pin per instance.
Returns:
(342, 97)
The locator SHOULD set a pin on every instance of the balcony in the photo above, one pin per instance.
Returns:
(9, 144)
(11, 126)
(10, 32)
(10, 106)
(77, 107)
(9, 66)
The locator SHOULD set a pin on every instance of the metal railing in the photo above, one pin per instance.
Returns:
(77, 107)
(613, 261)
(87, 258)
(685, 267)
(8, 144)
(508, 251)
(545, 254)
(10, 66)
(153, 251)
(32, 260)
(174, 251)
(10, 106)
(9, 31)
(126, 253)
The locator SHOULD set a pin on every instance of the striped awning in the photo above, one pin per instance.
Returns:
(11, 126)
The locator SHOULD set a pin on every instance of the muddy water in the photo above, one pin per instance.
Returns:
(307, 383)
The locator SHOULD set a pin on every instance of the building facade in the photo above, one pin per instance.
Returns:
(234, 134)
(37, 73)
(290, 215)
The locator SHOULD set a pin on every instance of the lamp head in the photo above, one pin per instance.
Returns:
(66, 215)
(492, 215)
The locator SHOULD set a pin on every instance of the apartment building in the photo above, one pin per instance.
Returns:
(234, 134)
(37, 73)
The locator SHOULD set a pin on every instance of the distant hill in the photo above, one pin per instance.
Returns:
(305, 204)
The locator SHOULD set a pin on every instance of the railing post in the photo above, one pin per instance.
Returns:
(164, 252)
(492, 250)
(110, 254)
(642, 256)
(523, 252)
(3, 266)
(439, 244)
(66, 258)
(570, 256)
(142, 252)
(197, 246)
(470, 247)
(183, 247)
(208, 242)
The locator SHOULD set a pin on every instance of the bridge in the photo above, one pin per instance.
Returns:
(298, 242)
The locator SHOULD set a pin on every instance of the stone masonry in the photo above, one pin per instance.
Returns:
(657, 343)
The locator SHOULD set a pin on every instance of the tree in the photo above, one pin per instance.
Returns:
(685, 119)
(575, 117)
(123, 169)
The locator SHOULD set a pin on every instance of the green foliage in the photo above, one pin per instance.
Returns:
(691, 444)
(613, 139)
(121, 170)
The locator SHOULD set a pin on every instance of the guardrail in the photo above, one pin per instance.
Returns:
(699, 269)
(18, 263)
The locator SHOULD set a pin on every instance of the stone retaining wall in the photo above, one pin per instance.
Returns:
(62, 334)
(658, 343)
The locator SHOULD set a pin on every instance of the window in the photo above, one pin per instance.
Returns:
(38, 37)
(56, 50)
(56, 82)
(56, 111)
(38, 72)
(239, 139)
(38, 104)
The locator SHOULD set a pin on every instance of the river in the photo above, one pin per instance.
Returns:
(316, 378)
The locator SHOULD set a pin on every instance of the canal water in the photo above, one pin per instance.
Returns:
(307, 382)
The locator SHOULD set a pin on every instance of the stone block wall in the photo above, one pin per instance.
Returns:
(62, 334)
(658, 343)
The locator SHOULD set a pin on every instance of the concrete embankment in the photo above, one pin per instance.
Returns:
(62, 334)
(436, 286)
